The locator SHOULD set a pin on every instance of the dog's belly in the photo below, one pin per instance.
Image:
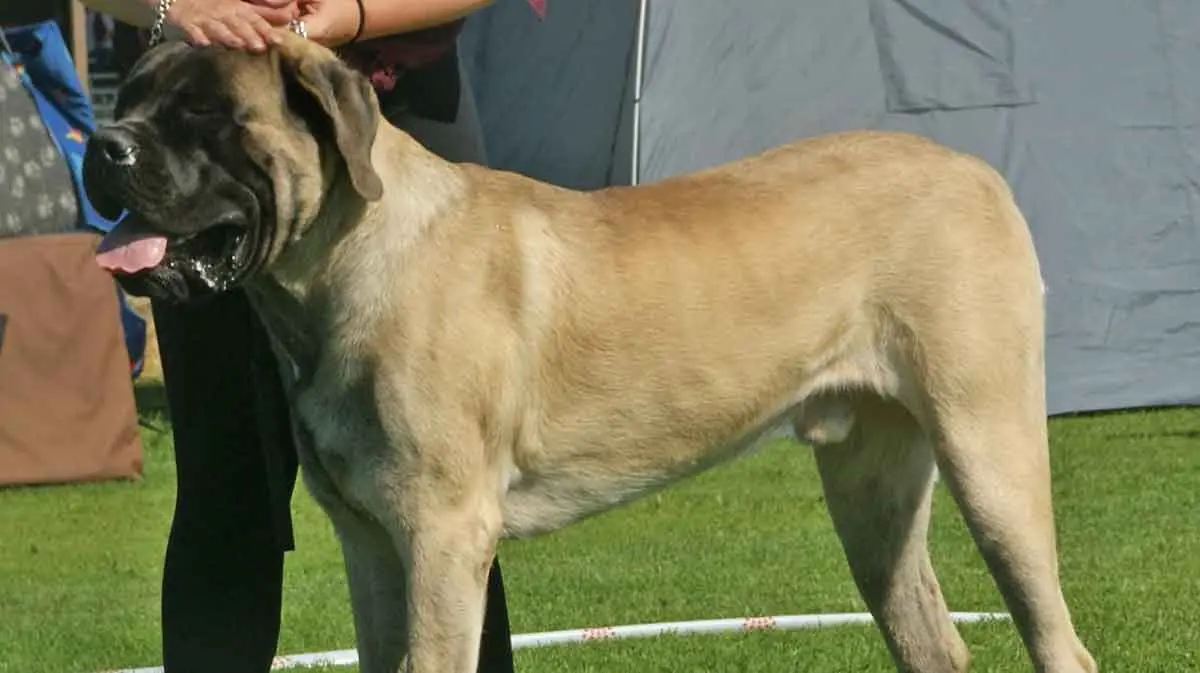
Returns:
(558, 493)
(544, 501)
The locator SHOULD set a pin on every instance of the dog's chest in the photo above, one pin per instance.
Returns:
(337, 436)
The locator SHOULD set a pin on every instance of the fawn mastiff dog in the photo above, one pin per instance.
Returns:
(473, 355)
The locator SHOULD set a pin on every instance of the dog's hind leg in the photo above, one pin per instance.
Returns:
(878, 482)
(994, 457)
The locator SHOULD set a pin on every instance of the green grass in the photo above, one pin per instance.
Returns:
(80, 566)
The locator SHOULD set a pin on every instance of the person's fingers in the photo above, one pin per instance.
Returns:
(290, 7)
(264, 31)
(219, 33)
(272, 35)
(196, 37)
(276, 17)
(247, 30)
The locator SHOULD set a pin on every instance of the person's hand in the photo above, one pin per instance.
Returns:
(329, 22)
(237, 24)
(277, 12)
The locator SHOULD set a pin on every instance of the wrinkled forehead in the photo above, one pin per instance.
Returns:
(176, 72)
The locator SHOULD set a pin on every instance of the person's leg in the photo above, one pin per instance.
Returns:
(223, 579)
(462, 141)
(495, 648)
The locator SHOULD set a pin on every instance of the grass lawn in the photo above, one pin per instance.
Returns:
(80, 566)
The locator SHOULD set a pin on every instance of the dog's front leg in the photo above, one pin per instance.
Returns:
(375, 570)
(376, 575)
(451, 550)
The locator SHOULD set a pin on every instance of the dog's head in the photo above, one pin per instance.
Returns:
(221, 159)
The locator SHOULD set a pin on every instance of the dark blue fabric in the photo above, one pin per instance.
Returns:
(42, 58)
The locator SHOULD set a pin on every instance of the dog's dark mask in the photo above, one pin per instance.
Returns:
(197, 187)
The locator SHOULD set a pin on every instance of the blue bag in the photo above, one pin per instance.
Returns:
(40, 57)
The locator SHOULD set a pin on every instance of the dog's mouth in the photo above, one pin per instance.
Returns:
(215, 258)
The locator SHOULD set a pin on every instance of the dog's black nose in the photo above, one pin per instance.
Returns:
(118, 145)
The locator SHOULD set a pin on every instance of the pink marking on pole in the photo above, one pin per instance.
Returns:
(599, 633)
(758, 623)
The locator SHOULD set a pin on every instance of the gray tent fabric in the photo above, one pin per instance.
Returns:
(555, 96)
(1090, 109)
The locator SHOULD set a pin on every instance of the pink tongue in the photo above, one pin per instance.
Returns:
(130, 256)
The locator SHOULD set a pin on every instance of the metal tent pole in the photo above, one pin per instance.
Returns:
(78, 26)
(638, 67)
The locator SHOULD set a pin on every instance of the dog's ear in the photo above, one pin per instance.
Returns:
(347, 101)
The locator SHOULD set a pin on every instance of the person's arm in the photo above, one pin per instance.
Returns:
(232, 23)
(334, 22)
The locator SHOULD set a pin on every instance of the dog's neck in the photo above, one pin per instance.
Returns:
(334, 282)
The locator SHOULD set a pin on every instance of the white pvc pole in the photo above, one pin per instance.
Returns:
(522, 641)
(779, 623)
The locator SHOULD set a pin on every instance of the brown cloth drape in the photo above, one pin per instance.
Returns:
(67, 410)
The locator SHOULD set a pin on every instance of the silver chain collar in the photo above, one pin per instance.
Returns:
(160, 22)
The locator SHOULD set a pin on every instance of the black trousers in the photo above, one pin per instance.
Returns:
(236, 469)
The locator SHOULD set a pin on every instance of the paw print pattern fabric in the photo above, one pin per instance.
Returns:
(37, 195)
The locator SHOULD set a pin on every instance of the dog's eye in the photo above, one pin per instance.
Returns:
(200, 109)
(199, 106)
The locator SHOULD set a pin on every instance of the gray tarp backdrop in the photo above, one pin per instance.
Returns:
(1090, 108)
